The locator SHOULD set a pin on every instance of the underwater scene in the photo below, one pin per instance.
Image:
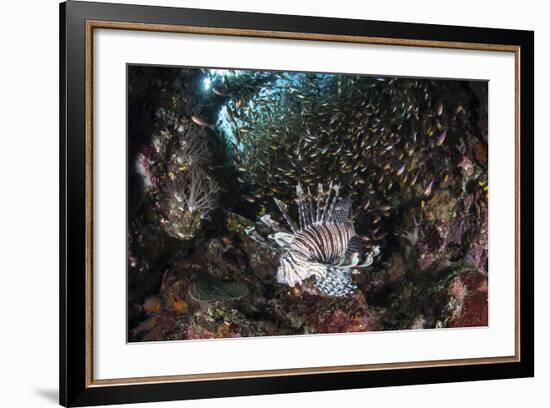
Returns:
(269, 203)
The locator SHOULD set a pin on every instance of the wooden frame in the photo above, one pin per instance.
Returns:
(77, 22)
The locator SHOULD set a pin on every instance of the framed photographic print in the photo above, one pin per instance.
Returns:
(256, 203)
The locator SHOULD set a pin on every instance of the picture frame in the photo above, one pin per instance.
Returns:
(79, 21)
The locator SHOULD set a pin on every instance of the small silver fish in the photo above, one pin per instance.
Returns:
(401, 169)
(218, 91)
(428, 189)
(441, 138)
(199, 121)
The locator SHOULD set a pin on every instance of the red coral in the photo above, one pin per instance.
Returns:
(353, 315)
(475, 313)
(340, 322)
(472, 287)
(197, 333)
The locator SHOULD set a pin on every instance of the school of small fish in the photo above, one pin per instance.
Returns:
(279, 203)
(385, 140)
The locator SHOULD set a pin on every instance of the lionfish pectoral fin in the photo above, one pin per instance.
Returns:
(375, 251)
(291, 270)
(348, 261)
(352, 260)
(355, 245)
(337, 282)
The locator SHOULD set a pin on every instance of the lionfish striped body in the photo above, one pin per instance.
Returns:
(323, 244)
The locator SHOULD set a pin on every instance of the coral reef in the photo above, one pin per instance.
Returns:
(214, 160)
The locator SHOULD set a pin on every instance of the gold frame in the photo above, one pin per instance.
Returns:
(99, 24)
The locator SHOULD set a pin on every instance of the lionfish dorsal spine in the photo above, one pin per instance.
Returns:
(310, 206)
(336, 188)
(320, 198)
(341, 212)
(326, 206)
(284, 211)
(300, 203)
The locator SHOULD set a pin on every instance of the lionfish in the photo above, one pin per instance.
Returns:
(323, 244)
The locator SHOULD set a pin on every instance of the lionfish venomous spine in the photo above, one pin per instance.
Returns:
(323, 244)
